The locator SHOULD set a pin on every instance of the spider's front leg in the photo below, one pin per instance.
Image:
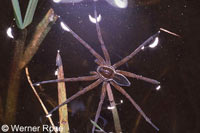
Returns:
(103, 47)
(137, 50)
(146, 43)
(85, 44)
(83, 78)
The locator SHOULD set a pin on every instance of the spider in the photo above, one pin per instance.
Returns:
(106, 73)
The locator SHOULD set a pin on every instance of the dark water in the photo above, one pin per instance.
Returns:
(174, 62)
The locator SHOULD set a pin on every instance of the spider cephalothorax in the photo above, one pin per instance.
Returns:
(106, 72)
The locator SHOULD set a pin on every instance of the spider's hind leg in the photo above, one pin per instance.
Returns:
(79, 93)
(122, 91)
(103, 93)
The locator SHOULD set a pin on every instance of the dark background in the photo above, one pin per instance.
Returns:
(175, 63)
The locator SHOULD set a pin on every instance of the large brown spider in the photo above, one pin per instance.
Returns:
(106, 74)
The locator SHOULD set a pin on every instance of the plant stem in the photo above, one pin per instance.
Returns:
(63, 113)
(21, 59)
(40, 33)
(114, 109)
(39, 99)
(14, 81)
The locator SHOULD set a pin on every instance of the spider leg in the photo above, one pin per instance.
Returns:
(81, 92)
(84, 78)
(121, 90)
(86, 45)
(132, 75)
(93, 73)
(103, 94)
(103, 47)
(138, 49)
(97, 62)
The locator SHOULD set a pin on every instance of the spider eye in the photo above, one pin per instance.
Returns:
(121, 80)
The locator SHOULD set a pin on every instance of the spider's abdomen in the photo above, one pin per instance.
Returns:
(105, 72)
(121, 80)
